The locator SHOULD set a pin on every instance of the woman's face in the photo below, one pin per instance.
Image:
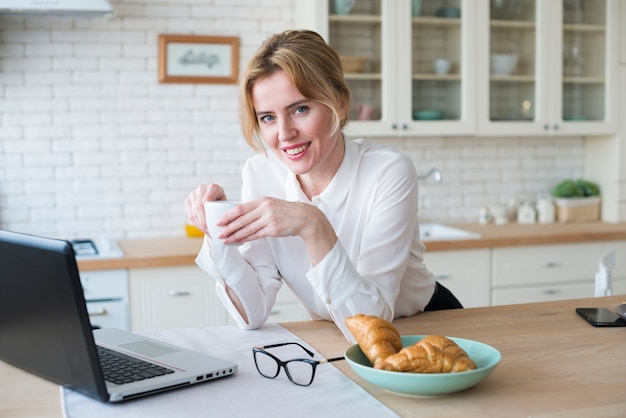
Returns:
(298, 130)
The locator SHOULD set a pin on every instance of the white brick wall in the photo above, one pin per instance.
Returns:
(91, 144)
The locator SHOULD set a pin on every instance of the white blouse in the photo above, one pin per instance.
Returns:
(374, 268)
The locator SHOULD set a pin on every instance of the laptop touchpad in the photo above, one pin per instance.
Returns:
(148, 348)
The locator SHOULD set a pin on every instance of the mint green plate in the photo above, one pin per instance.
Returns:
(427, 384)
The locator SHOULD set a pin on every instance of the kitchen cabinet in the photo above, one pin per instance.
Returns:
(106, 296)
(399, 79)
(464, 272)
(287, 308)
(565, 79)
(622, 40)
(525, 274)
(184, 296)
(544, 272)
(563, 83)
(174, 297)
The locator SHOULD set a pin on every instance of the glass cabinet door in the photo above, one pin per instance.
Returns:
(436, 60)
(355, 32)
(550, 66)
(512, 61)
(584, 60)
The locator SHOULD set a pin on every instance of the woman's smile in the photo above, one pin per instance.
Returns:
(296, 150)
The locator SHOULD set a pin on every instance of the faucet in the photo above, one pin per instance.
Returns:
(435, 172)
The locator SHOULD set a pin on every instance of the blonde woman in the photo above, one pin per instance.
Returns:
(333, 219)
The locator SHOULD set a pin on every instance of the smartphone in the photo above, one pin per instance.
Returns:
(601, 317)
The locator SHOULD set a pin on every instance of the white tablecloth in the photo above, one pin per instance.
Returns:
(246, 394)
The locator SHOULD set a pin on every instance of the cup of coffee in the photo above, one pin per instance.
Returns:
(213, 211)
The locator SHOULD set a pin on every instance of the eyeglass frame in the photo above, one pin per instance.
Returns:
(283, 364)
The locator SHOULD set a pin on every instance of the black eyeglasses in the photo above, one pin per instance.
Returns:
(300, 371)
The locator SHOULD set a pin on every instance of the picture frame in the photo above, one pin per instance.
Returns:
(198, 59)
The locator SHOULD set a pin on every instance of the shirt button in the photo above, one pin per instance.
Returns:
(317, 200)
(329, 301)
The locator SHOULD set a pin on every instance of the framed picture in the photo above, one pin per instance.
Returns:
(198, 59)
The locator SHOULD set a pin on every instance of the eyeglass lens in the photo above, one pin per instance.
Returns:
(298, 371)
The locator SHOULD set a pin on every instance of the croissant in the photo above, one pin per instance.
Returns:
(377, 338)
(432, 354)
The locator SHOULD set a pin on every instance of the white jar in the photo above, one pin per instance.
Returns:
(526, 214)
(545, 210)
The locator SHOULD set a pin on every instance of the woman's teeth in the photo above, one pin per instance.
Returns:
(298, 150)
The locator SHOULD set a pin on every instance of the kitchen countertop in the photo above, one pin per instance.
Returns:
(515, 235)
(553, 364)
(180, 251)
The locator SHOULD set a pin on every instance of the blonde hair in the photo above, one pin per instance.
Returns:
(312, 66)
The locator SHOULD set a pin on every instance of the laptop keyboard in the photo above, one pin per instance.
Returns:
(119, 368)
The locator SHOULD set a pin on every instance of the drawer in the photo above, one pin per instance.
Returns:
(543, 293)
(464, 272)
(110, 314)
(545, 264)
(105, 284)
(288, 312)
(287, 307)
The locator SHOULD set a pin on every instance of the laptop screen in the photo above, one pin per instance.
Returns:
(44, 325)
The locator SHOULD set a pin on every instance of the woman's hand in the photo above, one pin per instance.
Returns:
(270, 217)
(194, 203)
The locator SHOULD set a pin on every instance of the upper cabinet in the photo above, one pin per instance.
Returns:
(548, 67)
(437, 67)
(406, 62)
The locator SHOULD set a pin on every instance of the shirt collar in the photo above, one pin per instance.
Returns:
(337, 191)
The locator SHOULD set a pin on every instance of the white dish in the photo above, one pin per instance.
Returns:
(503, 64)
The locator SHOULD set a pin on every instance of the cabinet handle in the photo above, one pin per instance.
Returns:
(551, 264)
(546, 127)
(405, 126)
(175, 293)
(442, 276)
(555, 127)
(394, 126)
(98, 312)
(275, 312)
(550, 291)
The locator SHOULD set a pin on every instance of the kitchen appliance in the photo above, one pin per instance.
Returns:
(106, 291)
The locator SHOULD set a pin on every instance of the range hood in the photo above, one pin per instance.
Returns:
(60, 8)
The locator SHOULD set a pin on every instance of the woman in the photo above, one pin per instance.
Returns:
(336, 220)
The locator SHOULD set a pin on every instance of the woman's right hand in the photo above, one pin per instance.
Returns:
(194, 203)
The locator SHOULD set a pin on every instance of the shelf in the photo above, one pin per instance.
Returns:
(437, 77)
(584, 80)
(579, 27)
(512, 24)
(436, 21)
(363, 76)
(355, 18)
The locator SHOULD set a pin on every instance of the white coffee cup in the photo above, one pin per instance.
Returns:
(213, 211)
(441, 66)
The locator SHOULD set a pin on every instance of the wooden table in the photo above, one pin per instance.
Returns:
(553, 364)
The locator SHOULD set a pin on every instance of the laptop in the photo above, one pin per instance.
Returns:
(45, 330)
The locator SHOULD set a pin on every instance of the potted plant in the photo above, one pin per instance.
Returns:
(577, 201)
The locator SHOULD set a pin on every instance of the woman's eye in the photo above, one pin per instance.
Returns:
(266, 118)
(301, 109)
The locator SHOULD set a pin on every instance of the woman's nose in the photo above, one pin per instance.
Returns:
(286, 130)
